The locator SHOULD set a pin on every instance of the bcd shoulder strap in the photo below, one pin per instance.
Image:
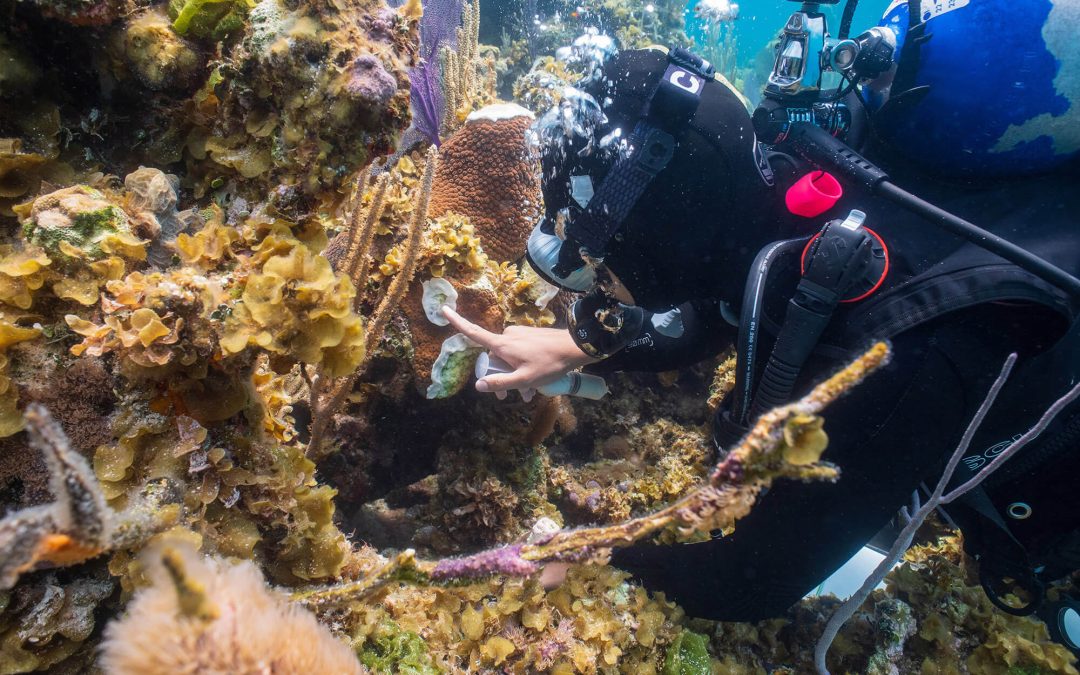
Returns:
(667, 112)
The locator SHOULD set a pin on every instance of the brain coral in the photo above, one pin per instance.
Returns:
(488, 173)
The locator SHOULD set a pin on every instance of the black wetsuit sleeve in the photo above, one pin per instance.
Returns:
(705, 333)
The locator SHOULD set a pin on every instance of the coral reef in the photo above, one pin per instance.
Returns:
(523, 295)
(45, 623)
(328, 394)
(931, 617)
(157, 55)
(646, 468)
(307, 96)
(596, 622)
(242, 99)
(217, 291)
(488, 172)
(78, 525)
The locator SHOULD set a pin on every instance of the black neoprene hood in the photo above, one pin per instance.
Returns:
(701, 220)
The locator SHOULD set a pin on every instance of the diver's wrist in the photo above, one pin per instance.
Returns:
(601, 327)
(575, 355)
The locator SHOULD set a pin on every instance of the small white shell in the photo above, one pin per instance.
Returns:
(438, 293)
(542, 530)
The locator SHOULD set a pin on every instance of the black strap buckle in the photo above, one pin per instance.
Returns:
(684, 58)
(657, 149)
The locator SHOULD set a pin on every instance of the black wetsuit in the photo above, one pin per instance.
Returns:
(690, 241)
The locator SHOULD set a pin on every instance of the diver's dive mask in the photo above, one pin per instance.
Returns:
(543, 253)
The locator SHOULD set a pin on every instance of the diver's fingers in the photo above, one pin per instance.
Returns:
(504, 381)
(482, 337)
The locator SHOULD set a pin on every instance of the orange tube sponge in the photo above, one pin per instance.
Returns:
(488, 172)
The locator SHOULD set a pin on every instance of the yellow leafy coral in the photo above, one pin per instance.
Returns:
(208, 247)
(145, 320)
(450, 248)
(11, 420)
(236, 488)
(143, 328)
(277, 393)
(21, 273)
(293, 305)
(522, 294)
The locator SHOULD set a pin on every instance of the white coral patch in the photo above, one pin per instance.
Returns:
(499, 111)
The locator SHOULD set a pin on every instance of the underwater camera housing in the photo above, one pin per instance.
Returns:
(796, 91)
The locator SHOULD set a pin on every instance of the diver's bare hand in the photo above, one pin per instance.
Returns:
(538, 356)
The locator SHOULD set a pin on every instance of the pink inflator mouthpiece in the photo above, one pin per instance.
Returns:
(813, 194)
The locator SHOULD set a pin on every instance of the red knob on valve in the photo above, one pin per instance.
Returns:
(813, 194)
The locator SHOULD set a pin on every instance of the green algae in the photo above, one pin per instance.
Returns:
(688, 655)
(209, 19)
(394, 650)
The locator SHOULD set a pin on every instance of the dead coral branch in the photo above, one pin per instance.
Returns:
(784, 443)
(78, 525)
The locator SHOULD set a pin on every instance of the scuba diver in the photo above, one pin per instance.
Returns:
(687, 225)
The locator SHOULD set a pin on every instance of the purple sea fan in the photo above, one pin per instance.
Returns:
(428, 102)
(438, 29)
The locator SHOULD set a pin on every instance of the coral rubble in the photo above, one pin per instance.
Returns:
(931, 617)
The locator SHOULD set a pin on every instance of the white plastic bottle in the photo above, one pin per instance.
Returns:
(573, 383)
